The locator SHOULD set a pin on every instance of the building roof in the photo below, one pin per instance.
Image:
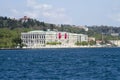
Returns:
(51, 32)
(39, 31)
(36, 31)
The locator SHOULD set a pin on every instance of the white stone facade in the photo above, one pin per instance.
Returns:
(38, 39)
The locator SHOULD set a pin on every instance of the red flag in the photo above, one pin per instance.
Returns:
(59, 35)
(65, 35)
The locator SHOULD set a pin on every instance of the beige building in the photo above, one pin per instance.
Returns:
(91, 38)
(115, 42)
(38, 39)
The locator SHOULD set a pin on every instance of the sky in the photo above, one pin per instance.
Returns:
(74, 12)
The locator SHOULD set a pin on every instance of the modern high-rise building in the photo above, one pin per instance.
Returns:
(38, 39)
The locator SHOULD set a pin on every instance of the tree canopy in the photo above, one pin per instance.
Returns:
(10, 30)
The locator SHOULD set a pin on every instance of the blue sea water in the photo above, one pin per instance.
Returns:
(60, 64)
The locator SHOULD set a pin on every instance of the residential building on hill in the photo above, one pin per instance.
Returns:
(38, 39)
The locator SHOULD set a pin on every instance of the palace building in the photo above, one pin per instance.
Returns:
(38, 39)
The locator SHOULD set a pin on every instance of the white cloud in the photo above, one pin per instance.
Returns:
(47, 12)
(35, 5)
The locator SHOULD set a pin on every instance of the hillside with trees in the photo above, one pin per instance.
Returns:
(106, 31)
(36, 25)
(10, 30)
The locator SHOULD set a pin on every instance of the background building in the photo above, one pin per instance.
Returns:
(37, 39)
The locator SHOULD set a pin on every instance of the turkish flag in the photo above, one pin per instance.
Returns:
(59, 35)
(65, 35)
